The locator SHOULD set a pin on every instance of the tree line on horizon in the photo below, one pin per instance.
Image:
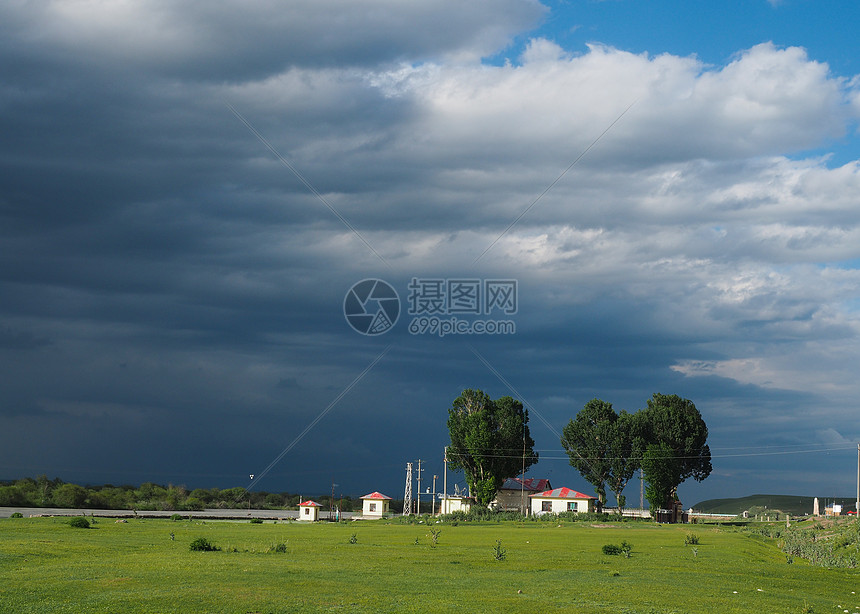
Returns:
(44, 492)
(667, 440)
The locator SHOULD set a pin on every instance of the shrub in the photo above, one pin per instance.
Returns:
(280, 548)
(256, 521)
(17, 515)
(434, 536)
(691, 539)
(499, 553)
(626, 549)
(353, 539)
(79, 523)
(194, 504)
(201, 544)
(611, 549)
(175, 517)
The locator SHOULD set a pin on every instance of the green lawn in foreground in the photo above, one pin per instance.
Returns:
(47, 566)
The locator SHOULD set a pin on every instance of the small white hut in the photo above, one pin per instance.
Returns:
(456, 503)
(309, 510)
(375, 505)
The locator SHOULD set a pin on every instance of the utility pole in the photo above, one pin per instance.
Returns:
(407, 495)
(445, 509)
(857, 502)
(641, 490)
(418, 505)
(331, 502)
(433, 506)
(523, 477)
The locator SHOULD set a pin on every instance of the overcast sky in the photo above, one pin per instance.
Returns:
(190, 189)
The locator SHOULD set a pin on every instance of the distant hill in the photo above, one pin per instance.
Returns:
(790, 504)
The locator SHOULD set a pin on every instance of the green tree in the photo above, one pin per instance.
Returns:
(12, 496)
(490, 441)
(589, 442)
(70, 495)
(274, 500)
(676, 426)
(624, 454)
(661, 467)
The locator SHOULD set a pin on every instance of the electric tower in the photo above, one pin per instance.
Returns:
(407, 494)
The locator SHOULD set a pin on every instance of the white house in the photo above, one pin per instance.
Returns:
(561, 500)
(375, 505)
(455, 503)
(309, 510)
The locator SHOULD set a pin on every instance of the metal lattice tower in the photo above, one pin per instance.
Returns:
(407, 495)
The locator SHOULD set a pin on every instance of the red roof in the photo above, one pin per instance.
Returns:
(309, 503)
(375, 495)
(562, 493)
(532, 484)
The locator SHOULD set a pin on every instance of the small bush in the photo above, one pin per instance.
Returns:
(691, 539)
(175, 517)
(201, 544)
(279, 548)
(611, 549)
(256, 521)
(353, 539)
(17, 515)
(79, 523)
(434, 536)
(626, 549)
(499, 553)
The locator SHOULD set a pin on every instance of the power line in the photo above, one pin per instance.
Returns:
(743, 455)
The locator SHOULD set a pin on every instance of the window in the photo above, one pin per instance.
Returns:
(571, 506)
(373, 507)
(307, 511)
(546, 506)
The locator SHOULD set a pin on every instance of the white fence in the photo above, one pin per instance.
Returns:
(629, 512)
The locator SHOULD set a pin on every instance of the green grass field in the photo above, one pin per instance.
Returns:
(47, 566)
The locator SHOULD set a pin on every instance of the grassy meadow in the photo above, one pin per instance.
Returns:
(146, 565)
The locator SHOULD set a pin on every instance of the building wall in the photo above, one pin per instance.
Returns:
(557, 506)
(309, 513)
(511, 500)
(374, 507)
(458, 504)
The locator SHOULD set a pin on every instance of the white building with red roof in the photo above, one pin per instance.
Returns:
(514, 493)
(309, 510)
(375, 505)
(560, 500)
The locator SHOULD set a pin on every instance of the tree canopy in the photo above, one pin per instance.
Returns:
(588, 440)
(667, 440)
(676, 422)
(660, 467)
(490, 441)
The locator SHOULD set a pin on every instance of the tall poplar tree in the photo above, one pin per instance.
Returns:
(490, 441)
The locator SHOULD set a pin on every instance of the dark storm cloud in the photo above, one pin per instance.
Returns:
(172, 294)
(237, 41)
